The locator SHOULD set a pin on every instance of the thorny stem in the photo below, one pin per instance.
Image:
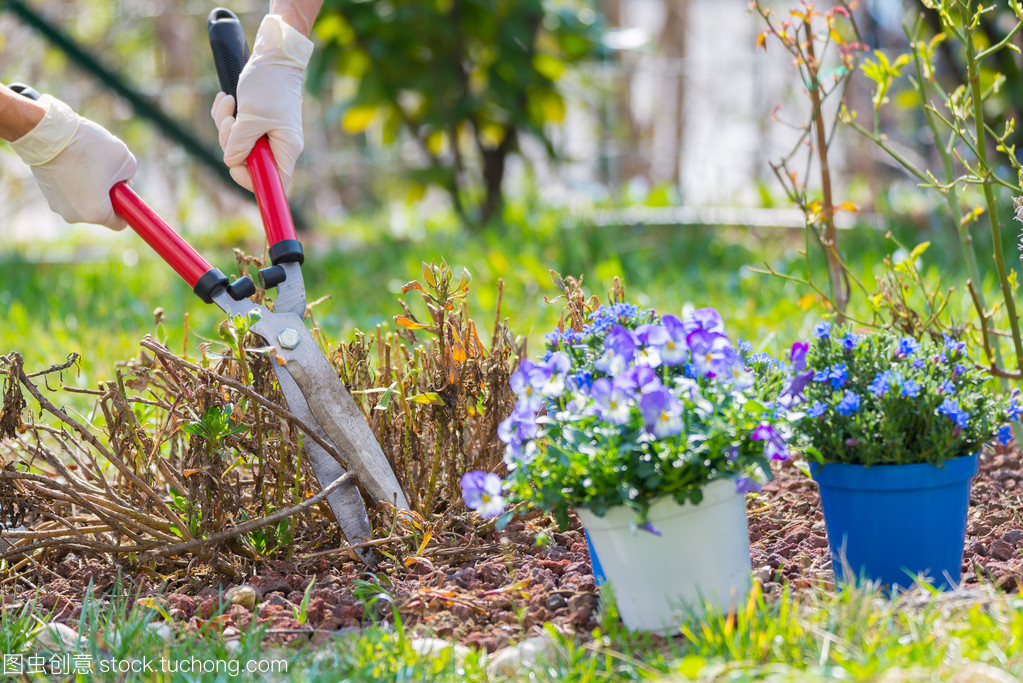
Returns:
(839, 284)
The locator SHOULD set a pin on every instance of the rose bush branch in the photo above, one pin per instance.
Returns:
(809, 37)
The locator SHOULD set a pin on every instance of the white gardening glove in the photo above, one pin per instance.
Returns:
(76, 162)
(269, 101)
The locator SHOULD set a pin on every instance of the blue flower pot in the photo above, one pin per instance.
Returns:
(893, 523)
(598, 571)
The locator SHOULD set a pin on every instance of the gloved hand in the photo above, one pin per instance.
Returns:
(269, 101)
(76, 162)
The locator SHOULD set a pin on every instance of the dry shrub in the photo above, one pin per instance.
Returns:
(433, 391)
(184, 458)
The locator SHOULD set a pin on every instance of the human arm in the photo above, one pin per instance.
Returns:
(75, 161)
(299, 14)
(269, 99)
(18, 115)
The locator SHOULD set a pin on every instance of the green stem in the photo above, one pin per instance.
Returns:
(962, 230)
(973, 69)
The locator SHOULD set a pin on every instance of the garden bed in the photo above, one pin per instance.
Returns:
(491, 589)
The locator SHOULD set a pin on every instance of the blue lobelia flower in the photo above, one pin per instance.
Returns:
(950, 407)
(838, 375)
(953, 346)
(849, 404)
(822, 330)
(481, 492)
(1014, 410)
(662, 413)
(918, 363)
(817, 409)
(947, 387)
(908, 346)
(674, 351)
(958, 369)
(881, 383)
(822, 375)
(910, 388)
(1005, 435)
(849, 341)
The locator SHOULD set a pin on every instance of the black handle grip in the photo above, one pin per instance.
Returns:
(230, 52)
(25, 90)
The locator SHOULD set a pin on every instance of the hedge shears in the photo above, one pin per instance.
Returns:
(310, 385)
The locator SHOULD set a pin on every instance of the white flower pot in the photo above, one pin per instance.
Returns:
(701, 557)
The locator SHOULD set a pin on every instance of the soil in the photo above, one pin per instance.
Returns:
(504, 586)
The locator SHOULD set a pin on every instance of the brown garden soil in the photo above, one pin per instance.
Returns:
(500, 587)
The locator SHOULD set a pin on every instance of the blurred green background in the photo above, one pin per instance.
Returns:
(598, 139)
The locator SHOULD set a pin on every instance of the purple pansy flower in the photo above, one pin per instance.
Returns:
(611, 399)
(775, 447)
(746, 484)
(518, 427)
(793, 393)
(528, 382)
(638, 380)
(662, 413)
(619, 350)
(481, 492)
(674, 350)
(706, 319)
(797, 356)
(712, 353)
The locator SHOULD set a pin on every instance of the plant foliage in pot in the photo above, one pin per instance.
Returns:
(651, 428)
(893, 429)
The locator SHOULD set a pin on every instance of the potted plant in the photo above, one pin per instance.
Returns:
(893, 429)
(651, 429)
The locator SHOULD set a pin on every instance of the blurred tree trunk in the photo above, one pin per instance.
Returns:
(673, 41)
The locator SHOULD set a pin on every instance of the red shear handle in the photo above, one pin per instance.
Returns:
(186, 261)
(273, 204)
(230, 52)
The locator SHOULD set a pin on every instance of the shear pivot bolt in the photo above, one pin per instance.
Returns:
(288, 338)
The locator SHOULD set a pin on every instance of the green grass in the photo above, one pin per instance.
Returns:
(101, 307)
(810, 635)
